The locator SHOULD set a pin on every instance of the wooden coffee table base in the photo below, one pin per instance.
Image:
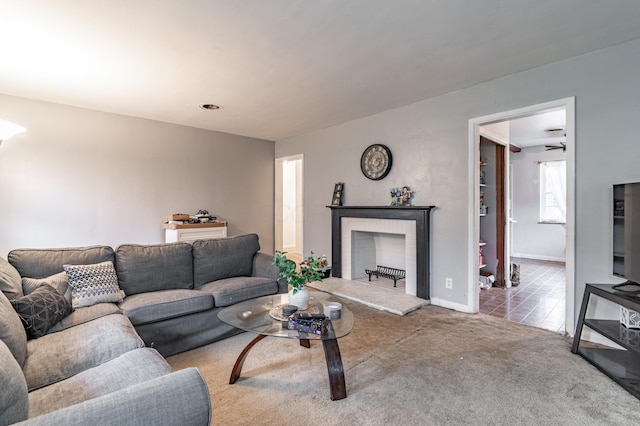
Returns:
(331, 353)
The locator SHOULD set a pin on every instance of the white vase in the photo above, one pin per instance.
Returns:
(300, 299)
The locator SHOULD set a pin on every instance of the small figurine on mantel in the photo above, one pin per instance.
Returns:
(406, 196)
(401, 197)
(394, 196)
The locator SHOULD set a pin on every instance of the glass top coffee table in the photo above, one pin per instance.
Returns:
(257, 316)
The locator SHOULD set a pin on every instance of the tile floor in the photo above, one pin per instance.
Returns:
(539, 300)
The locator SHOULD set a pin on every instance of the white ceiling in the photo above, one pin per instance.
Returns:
(534, 130)
(281, 68)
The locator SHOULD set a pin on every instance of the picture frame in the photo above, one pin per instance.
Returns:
(338, 190)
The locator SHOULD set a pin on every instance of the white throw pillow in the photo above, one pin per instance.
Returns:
(91, 284)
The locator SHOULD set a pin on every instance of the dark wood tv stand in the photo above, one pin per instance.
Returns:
(621, 365)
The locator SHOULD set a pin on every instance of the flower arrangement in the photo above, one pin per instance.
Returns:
(310, 269)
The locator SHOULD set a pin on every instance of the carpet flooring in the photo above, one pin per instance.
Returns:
(431, 367)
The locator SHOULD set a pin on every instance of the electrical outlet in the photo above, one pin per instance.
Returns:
(449, 283)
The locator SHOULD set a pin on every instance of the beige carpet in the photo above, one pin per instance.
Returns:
(431, 367)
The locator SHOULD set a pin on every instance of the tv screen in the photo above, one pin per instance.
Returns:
(626, 231)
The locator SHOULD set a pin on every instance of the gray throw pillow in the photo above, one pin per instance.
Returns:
(41, 310)
(58, 281)
(91, 284)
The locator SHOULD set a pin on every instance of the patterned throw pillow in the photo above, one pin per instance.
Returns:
(91, 284)
(41, 310)
(58, 281)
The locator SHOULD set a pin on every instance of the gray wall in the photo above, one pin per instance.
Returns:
(429, 142)
(81, 177)
(530, 238)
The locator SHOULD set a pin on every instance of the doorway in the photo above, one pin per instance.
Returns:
(288, 192)
(568, 148)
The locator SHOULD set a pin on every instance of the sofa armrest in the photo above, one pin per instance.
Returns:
(179, 398)
(283, 285)
(263, 267)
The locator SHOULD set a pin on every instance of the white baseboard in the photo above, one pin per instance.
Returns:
(450, 305)
(539, 257)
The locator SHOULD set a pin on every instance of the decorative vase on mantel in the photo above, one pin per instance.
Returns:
(300, 299)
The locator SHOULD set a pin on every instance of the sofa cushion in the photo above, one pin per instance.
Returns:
(12, 332)
(59, 281)
(91, 284)
(41, 310)
(129, 369)
(86, 314)
(14, 400)
(9, 278)
(144, 268)
(223, 258)
(155, 306)
(57, 356)
(230, 291)
(41, 263)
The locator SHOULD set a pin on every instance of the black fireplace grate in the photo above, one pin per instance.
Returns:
(387, 272)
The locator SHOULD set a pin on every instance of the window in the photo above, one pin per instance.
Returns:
(553, 191)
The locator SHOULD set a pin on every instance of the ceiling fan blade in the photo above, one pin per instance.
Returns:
(562, 146)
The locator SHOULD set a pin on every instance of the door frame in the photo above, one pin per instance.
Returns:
(568, 104)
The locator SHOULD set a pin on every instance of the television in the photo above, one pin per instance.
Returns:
(626, 231)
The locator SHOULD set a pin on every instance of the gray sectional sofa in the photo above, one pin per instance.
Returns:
(103, 363)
